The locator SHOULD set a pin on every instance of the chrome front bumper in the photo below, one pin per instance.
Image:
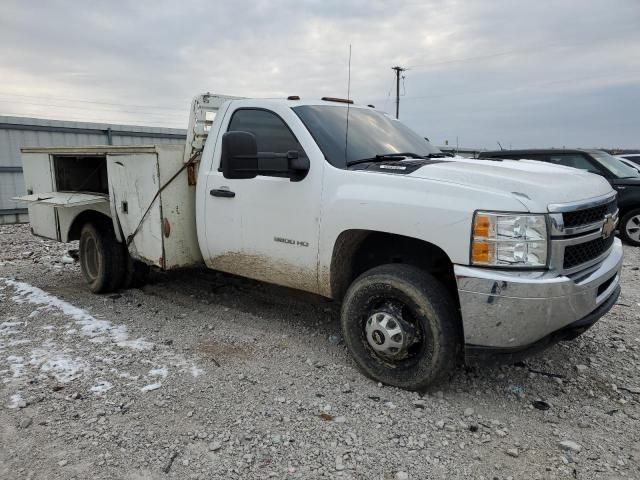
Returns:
(509, 310)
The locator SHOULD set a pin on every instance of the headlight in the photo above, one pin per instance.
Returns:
(509, 240)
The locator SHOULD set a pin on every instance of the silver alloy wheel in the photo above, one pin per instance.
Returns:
(385, 334)
(632, 228)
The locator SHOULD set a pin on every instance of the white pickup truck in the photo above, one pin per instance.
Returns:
(434, 260)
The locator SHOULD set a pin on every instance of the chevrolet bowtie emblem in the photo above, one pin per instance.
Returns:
(609, 225)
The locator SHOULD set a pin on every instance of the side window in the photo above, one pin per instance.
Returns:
(272, 134)
(572, 160)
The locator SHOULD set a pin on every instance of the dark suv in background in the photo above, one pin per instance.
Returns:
(623, 178)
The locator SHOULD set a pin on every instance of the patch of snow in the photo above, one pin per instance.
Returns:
(138, 344)
(89, 325)
(66, 259)
(66, 364)
(11, 324)
(16, 401)
(92, 327)
(16, 365)
(150, 388)
(59, 365)
(101, 387)
(7, 328)
(159, 372)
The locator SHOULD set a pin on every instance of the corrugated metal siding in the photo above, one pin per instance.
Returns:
(19, 132)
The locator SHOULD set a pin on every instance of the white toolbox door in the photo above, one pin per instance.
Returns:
(38, 177)
(133, 182)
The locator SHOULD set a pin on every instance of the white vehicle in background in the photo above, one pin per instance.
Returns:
(431, 258)
(629, 162)
(631, 157)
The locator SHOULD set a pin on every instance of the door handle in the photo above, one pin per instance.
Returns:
(221, 192)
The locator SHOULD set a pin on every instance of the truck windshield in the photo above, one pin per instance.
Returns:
(370, 134)
(614, 165)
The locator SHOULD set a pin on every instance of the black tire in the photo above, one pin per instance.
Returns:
(102, 258)
(421, 301)
(630, 227)
(136, 274)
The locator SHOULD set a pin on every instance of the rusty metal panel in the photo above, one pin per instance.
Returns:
(133, 182)
(165, 235)
(178, 210)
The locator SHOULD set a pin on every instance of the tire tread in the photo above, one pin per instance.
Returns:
(436, 298)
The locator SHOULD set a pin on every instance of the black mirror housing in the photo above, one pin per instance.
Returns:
(240, 159)
(239, 156)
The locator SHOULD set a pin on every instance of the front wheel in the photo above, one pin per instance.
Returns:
(630, 228)
(401, 326)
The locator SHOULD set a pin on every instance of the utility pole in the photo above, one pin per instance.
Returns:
(398, 71)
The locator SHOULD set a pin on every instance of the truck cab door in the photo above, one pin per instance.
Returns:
(266, 227)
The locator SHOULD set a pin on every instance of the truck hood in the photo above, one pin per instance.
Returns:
(533, 183)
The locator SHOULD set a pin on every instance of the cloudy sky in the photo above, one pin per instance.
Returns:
(524, 73)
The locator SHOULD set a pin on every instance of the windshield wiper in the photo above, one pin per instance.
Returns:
(385, 156)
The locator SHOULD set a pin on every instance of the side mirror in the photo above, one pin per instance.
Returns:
(240, 159)
(239, 156)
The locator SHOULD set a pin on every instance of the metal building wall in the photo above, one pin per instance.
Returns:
(18, 132)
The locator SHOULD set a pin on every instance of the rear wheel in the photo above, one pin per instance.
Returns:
(102, 258)
(630, 227)
(401, 326)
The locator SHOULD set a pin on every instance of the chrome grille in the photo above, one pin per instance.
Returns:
(580, 237)
(585, 252)
(588, 216)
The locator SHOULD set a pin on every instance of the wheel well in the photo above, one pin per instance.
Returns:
(357, 251)
(84, 217)
(627, 209)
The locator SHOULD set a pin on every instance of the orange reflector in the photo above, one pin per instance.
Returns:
(480, 253)
(481, 226)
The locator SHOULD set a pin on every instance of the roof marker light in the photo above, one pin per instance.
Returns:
(339, 100)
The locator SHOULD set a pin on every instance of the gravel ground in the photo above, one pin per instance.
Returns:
(204, 375)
